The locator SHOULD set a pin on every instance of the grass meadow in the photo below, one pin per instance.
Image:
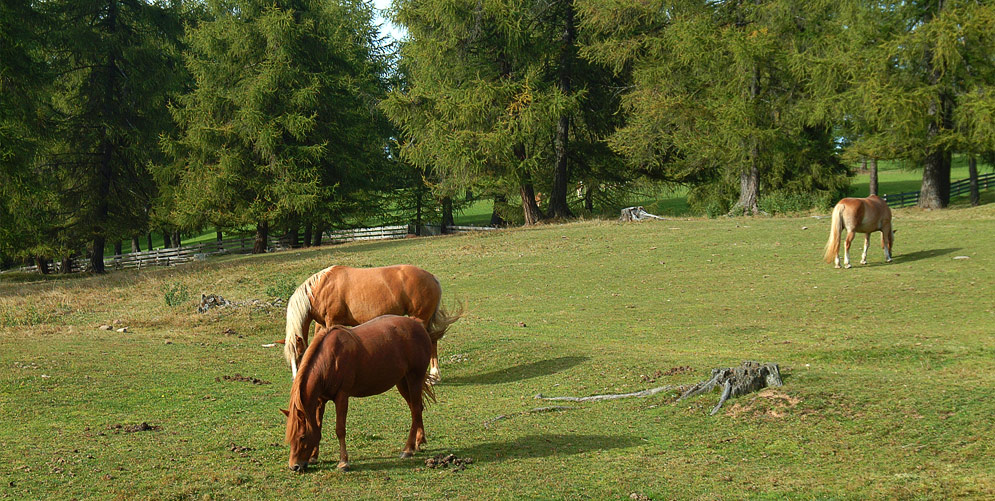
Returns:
(887, 369)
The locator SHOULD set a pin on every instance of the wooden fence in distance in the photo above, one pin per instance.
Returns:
(187, 253)
(957, 188)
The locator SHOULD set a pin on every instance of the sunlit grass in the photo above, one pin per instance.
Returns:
(887, 369)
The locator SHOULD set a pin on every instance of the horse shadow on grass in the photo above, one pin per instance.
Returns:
(924, 254)
(527, 447)
(516, 373)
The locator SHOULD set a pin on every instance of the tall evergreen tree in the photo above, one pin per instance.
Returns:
(924, 82)
(497, 97)
(717, 102)
(281, 117)
(114, 65)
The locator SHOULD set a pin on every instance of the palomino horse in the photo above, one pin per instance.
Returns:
(859, 215)
(345, 362)
(350, 296)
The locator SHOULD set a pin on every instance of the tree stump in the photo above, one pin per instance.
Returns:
(636, 214)
(736, 381)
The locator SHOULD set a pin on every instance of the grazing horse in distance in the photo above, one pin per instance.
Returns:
(345, 362)
(340, 295)
(859, 215)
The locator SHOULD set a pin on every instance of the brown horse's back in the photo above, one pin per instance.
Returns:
(371, 358)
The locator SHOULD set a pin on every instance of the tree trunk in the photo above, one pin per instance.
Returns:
(447, 213)
(293, 235)
(307, 234)
(874, 177)
(749, 180)
(496, 219)
(219, 235)
(418, 204)
(972, 174)
(558, 207)
(262, 237)
(935, 191)
(166, 242)
(318, 230)
(863, 165)
(110, 94)
(749, 189)
(148, 241)
(67, 264)
(529, 206)
(176, 239)
(118, 247)
(42, 264)
(136, 244)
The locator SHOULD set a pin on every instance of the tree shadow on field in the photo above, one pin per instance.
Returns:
(516, 373)
(529, 446)
(923, 254)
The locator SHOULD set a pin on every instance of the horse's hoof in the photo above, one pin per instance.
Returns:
(849, 266)
(343, 467)
(406, 454)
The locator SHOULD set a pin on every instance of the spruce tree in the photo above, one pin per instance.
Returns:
(281, 117)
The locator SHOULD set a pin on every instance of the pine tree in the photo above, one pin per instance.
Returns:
(924, 84)
(497, 98)
(717, 101)
(281, 119)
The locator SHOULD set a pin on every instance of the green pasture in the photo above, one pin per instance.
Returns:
(887, 370)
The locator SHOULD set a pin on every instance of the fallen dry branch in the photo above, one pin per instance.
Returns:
(537, 410)
(736, 381)
(613, 396)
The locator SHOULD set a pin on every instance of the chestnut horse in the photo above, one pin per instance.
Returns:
(350, 296)
(859, 215)
(345, 362)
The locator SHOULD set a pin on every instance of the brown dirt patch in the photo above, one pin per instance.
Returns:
(448, 461)
(242, 379)
(768, 402)
(133, 428)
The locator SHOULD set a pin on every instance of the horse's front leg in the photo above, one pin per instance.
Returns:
(341, 409)
(321, 416)
(846, 249)
(867, 242)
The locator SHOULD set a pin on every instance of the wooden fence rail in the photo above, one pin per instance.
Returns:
(187, 253)
(957, 188)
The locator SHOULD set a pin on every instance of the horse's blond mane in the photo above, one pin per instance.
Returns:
(298, 315)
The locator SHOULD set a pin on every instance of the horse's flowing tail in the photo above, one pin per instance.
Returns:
(835, 228)
(426, 390)
(441, 320)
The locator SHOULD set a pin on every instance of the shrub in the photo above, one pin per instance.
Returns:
(175, 294)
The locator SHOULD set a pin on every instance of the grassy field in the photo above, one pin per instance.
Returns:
(887, 370)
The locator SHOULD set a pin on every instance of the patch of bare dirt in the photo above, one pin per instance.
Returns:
(768, 402)
(133, 428)
(448, 461)
(673, 371)
(242, 379)
(676, 371)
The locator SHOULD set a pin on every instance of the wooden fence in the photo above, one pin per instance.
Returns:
(187, 253)
(957, 188)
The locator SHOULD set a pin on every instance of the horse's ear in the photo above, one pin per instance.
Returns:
(285, 412)
(894, 231)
